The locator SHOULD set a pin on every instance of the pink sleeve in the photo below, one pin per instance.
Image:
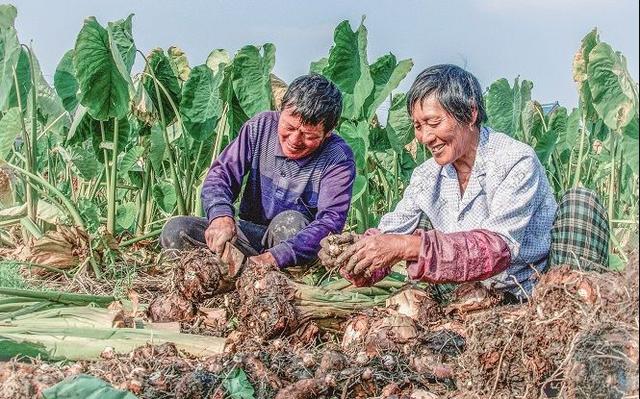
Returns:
(458, 257)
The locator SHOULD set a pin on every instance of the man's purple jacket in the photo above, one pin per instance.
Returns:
(318, 185)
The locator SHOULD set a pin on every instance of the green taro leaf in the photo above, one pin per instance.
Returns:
(9, 55)
(82, 161)
(629, 144)
(129, 160)
(165, 196)
(580, 62)
(122, 37)
(65, 82)
(10, 128)
(359, 188)
(505, 104)
(179, 63)
(8, 14)
(201, 106)
(53, 115)
(356, 134)
(103, 88)
(613, 90)
(387, 75)
(216, 58)
(251, 78)
(532, 121)
(157, 148)
(84, 386)
(23, 76)
(126, 215)
(237, 385)
(168, 86)
(318, 66)
(90, 214)
(399, 124)
(348, 68)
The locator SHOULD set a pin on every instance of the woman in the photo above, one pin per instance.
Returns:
(484, 194)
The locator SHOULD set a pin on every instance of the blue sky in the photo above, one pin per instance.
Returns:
(493, 38)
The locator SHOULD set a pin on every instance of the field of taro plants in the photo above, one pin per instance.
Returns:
(94, 162)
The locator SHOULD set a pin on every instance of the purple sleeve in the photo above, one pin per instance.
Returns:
(334, 199)
(458, 257)
(224, 180)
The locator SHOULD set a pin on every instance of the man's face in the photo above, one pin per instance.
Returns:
(298, 140)
(446, 139)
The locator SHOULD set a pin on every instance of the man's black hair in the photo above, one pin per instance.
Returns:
(315, 99)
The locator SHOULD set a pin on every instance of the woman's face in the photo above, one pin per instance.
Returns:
(446, 138)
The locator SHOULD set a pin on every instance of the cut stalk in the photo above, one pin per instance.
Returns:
(111, 197)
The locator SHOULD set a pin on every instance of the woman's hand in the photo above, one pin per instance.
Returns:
(370, 259)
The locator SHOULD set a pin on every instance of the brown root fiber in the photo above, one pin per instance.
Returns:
(199, 275)
(171, 307)
(548, 347)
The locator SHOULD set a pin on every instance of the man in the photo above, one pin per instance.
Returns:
(299, 177)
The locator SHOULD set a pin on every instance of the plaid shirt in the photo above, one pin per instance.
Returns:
(508, 193)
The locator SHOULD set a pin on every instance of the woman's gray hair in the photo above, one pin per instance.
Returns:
(457, 90)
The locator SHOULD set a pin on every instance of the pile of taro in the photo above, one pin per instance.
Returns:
(576, 337)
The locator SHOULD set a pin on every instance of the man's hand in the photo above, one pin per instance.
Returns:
(264, 259)
(220, 231)
(370, 259)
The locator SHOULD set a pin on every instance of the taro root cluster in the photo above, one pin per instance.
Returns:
(199, 275)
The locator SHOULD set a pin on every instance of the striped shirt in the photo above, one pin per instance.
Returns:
(318, 185)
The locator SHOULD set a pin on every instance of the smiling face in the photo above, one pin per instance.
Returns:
(448, 140)
(297, 139)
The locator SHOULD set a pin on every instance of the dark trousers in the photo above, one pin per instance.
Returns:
(187, 232)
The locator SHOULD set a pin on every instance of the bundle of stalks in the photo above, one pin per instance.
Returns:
(272, 304)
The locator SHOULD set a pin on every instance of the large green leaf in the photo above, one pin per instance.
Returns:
(165, 196)
(399, 124)
(532, 121)
(10, 128)
(179, 63)
(348, 68)
(237, 385)
(130, 159)
(84, 386)
(157, 148)
(613, 90)
(318, 66)
(216, 58)
(201, 106)
(9, 55)
(356, 134)
(504, 105)
(251, 78)
(580, 62)
(126, 215)
(53, 115)
(23, 76)
(168, 86)
(65, 82)
(387, 75)
(8, 14)
(629, 146)
(103, 88)
(82, 161)
(122, 37)
(359, 187)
